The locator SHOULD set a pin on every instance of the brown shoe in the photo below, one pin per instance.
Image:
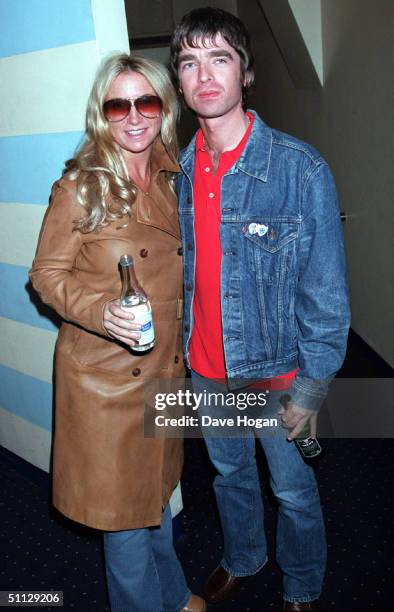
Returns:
(195, 604)
(220, 585)
(300, 605)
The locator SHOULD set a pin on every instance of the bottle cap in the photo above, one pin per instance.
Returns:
(126, 260)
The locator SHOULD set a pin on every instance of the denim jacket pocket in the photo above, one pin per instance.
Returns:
(272, 254)
(271, 237)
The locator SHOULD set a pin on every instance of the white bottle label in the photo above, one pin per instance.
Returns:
(143, 316)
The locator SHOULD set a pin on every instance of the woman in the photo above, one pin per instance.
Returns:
(116, 198)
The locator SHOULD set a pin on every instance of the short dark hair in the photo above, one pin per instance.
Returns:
(208, 22)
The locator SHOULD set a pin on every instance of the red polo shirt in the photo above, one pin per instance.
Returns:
(206, 345)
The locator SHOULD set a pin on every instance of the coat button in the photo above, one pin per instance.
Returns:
(144, 253)
(136, 372)
(180, 251)
(176, 359)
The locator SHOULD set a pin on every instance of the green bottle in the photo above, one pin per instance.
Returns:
(309, 447)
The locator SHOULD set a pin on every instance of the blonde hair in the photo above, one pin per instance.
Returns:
(104, 188)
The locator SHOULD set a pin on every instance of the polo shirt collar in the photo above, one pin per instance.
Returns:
(255, 158)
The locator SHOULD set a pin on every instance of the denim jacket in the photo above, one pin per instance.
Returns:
(284, 297)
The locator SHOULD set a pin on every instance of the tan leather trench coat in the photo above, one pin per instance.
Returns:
(105, 473)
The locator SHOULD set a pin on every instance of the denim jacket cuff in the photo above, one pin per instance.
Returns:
(309, 393)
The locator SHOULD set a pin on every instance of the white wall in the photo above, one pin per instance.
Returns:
(308, 16)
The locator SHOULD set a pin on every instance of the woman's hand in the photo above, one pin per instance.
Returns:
(119, 323)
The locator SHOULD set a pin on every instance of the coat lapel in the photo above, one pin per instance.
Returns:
(158, 207)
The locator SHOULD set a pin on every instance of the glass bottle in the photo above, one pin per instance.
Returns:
(133, 296)
(309, 447)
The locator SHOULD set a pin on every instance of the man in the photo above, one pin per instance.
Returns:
(265, 298)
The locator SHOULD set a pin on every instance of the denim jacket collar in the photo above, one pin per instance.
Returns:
(255, 158)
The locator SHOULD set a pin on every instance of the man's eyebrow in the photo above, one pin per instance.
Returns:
(220, 53)
(187, 57)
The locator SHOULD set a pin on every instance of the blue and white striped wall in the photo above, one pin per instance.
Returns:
(49, 51)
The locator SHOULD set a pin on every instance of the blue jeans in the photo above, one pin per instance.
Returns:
(143, 571)
(300, 538)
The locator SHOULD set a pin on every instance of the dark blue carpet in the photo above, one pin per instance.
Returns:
(42, 550)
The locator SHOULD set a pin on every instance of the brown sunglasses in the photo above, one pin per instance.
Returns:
(118, 108)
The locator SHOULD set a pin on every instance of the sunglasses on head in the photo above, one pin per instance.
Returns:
(118, 108)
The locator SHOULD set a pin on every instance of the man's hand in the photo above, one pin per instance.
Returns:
(295, 418)
(119, 324)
